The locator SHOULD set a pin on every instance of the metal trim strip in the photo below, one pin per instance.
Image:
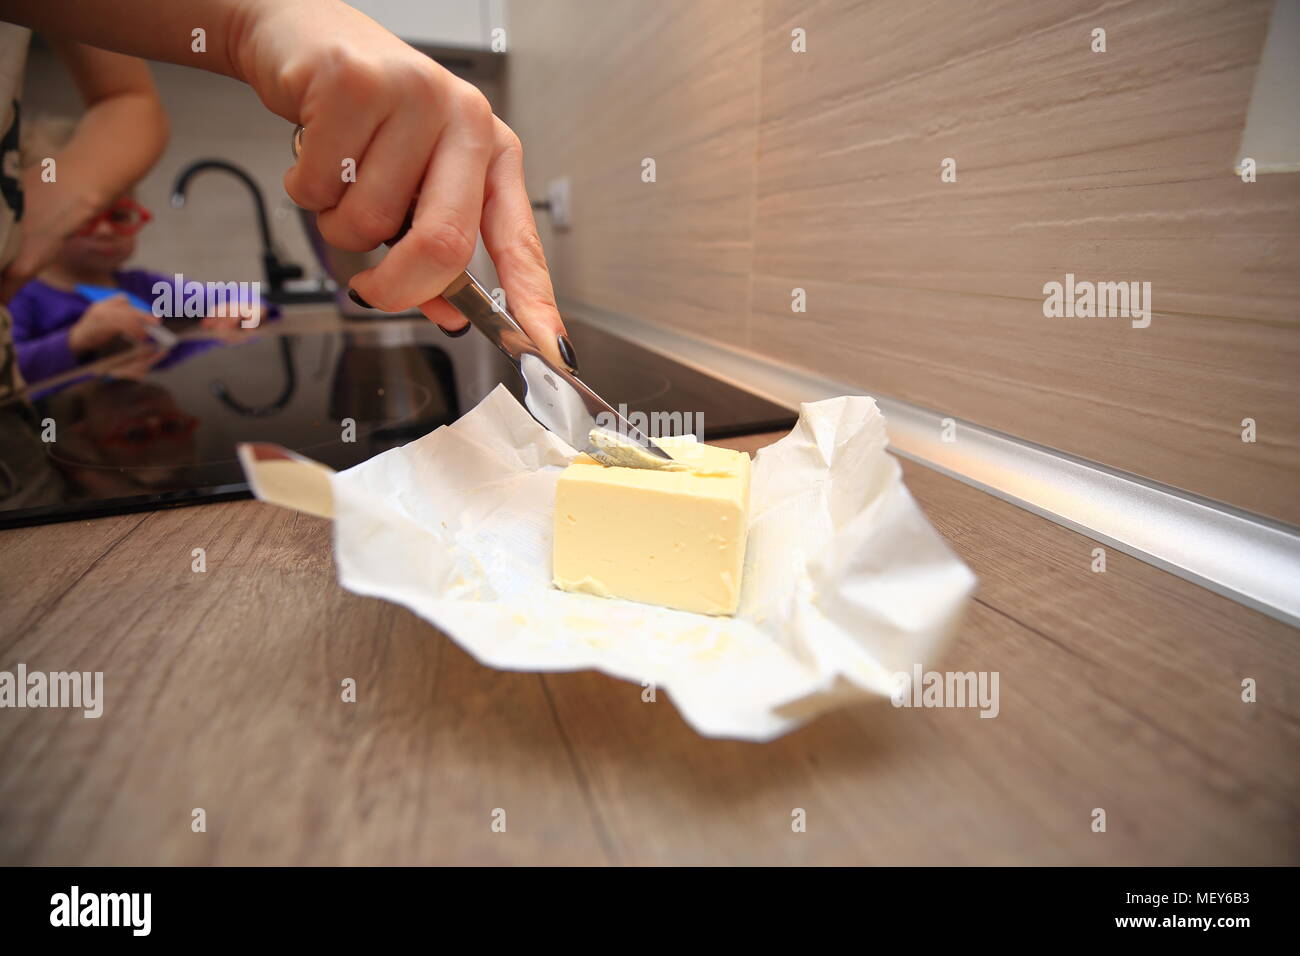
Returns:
(1246, 557)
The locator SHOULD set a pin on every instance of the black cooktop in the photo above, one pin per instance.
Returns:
(139, 432)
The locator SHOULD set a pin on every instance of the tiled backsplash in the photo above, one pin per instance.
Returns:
(777, 170)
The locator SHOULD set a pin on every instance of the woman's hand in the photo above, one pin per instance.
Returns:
(407, 127)
(106, 321)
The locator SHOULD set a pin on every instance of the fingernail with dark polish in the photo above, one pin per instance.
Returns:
(352, 294)
(566, 351)
(458, 333)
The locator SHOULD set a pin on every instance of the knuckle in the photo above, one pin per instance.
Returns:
(294, 77)
(473, 105)
(446, 243)
(472, 113)
(527, 244)
(373, 223)
(364, 82)
(337, 226)
(509, 140)
(538, 296)
(347, 75)
(308, 191)
(421, 84)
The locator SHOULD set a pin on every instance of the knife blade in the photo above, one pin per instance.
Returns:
(553, 395)
(560, 401)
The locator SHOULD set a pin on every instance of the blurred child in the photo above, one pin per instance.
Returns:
(83, 305)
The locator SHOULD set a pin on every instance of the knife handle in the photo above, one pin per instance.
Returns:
(475, 303)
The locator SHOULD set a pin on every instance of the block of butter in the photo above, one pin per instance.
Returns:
(672, 538)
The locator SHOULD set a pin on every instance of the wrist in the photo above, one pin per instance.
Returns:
(242, 19)
(278, 46)
(257, 33)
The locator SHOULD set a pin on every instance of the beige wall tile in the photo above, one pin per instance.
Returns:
(593, 89)
(1113, 166)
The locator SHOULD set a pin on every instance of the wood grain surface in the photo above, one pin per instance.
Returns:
(1119, 690)
(820, 171)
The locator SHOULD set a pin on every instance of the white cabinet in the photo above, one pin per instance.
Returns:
(438, 23)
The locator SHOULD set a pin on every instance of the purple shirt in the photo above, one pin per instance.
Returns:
(42, 316)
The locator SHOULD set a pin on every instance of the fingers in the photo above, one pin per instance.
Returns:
(442, 312)
(133, 326)
(445, 228)
(467, 168)
(127, 329)
(340, 133)
(510, 234)
(128, 321)
(373, 208)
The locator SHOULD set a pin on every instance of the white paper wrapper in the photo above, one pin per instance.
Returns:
(846, 582)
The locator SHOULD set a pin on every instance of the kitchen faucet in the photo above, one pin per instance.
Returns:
(277, 272)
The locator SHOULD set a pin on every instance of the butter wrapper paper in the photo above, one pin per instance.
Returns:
(846, 583)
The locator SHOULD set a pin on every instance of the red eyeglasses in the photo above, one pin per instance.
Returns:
(125, 217)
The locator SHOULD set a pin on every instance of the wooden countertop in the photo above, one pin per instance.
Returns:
(1119, 690)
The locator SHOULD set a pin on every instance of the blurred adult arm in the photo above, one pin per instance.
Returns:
(119, 137)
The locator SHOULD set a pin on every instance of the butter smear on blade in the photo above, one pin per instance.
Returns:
(675, 538)
(610, 448)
